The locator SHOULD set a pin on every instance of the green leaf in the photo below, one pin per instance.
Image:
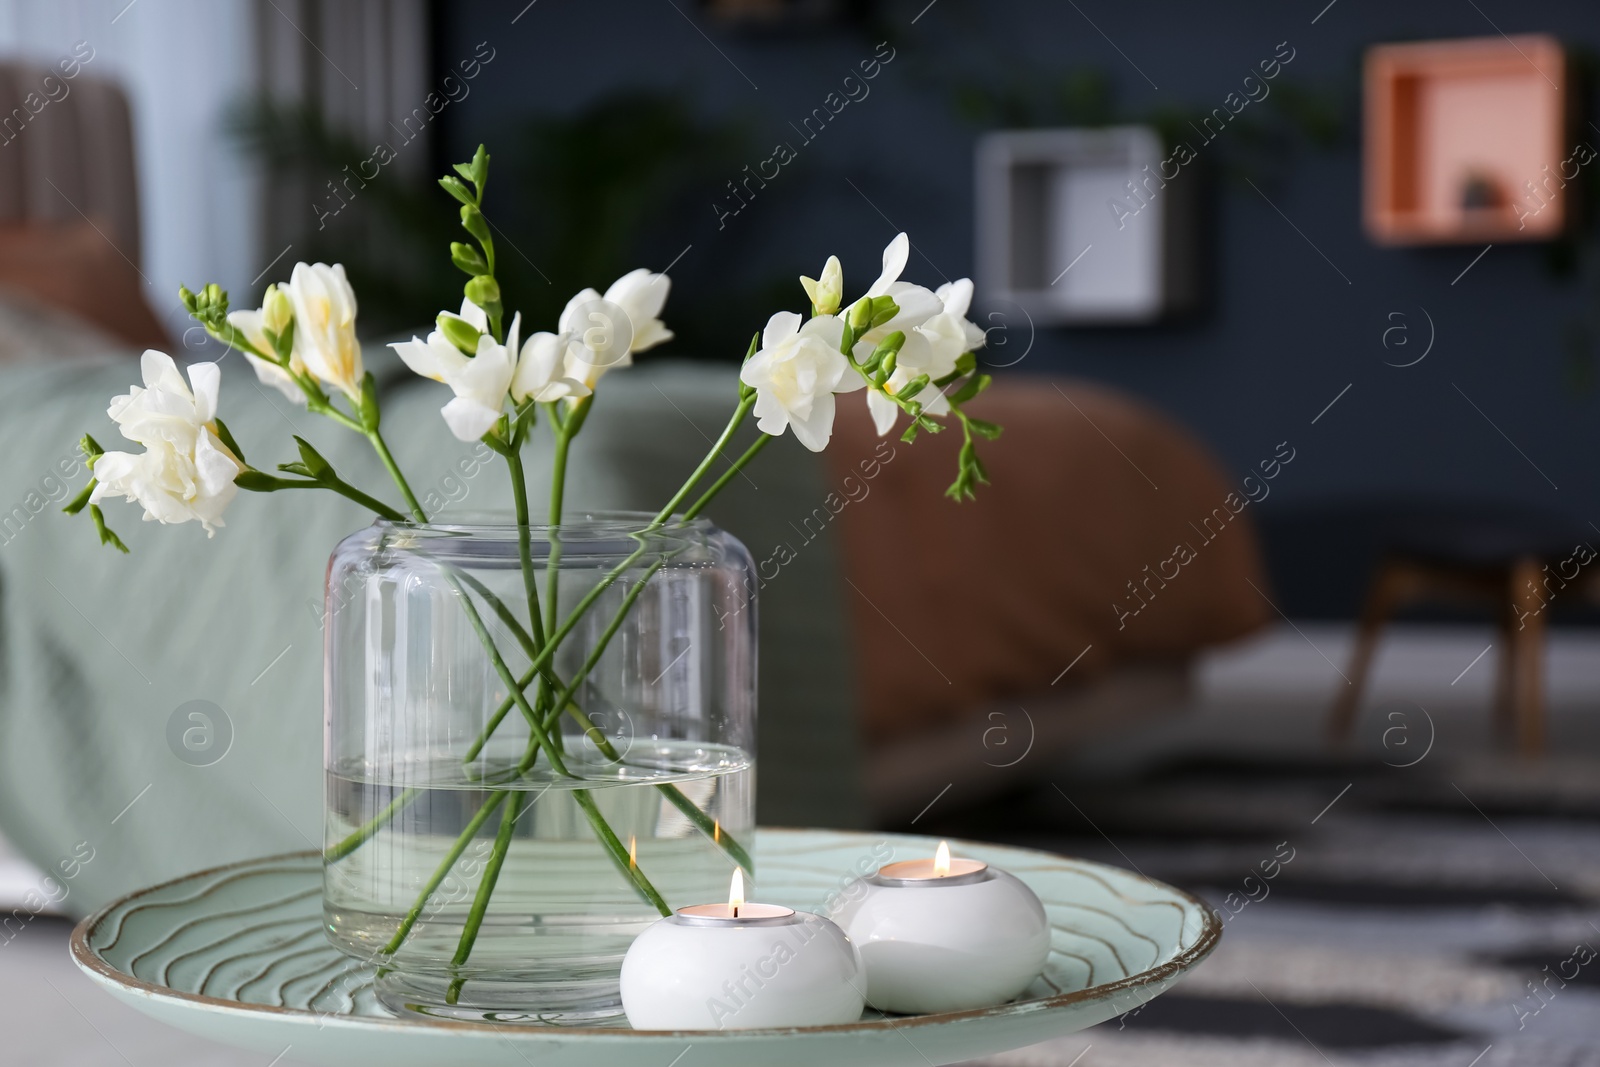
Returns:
(318, 467)
(226, 437)
(967, 362)
(480, 169)
(106, 536)
(755, 346)
(282, 342)
(454, 187)
(987, 430)
(974, 386)
(77, 503)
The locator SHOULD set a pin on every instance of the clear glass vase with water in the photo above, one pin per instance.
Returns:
(537, 739)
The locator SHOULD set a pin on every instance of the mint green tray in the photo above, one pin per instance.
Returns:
(236, 955)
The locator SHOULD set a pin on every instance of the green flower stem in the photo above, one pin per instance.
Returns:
(543, 658)
(619, 854)
(596, 736)
(539, 740)
(727, 476)
(480, 902)
(722, 442)
(369, 829)
(443, 870)
(577, 613)
(706, 825)
(564, 433)
(373, 504)
(519, 495)
(381, 447)
(337, 485)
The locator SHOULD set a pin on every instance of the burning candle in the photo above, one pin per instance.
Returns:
(740, 966)
(944, 934)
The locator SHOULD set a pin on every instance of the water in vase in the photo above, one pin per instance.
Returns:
(563, 910)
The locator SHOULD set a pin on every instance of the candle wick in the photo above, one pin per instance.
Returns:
(736, 911)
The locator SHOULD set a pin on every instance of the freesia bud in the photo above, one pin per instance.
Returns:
(861, 315)
(473, 222)
(885, 369)
(826, 292)
(483, 290)
(325, 326)
(277, 312)
(888, 347)
(459, 332)
(884, 308)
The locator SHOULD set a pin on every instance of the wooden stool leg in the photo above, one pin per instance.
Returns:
(1528, 654)
(1382, 596)
(1505, 684)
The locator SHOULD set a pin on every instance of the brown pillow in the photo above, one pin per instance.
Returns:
(74, 268)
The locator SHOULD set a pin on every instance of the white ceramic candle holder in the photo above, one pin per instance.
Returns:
(930, 941)
(741, 967)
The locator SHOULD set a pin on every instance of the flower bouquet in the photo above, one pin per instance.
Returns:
(539, 737)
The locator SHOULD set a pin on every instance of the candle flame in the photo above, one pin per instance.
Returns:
(633, 852)
(941, 860)
(736, 892)
(716, 830)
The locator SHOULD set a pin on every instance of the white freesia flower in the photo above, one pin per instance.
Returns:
(548, 371)
(186, 472)
(480, 381)
(795, 375)
(275, 313)
(642, 295)
(916, 304)
(605, 331)
(827, 291)
(932, 349)
(325, 325)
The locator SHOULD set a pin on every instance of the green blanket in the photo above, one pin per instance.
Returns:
(98, 650)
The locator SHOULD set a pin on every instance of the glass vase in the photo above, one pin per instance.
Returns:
(537, 739)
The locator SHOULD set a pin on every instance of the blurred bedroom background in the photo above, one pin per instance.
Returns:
(1294, 313)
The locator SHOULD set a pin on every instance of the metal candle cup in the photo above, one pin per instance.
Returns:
(944, 934)
(740, 966)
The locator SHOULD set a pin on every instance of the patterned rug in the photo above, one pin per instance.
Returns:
(1444, 913)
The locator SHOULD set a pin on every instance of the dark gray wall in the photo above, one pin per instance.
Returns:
(1287, 326)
